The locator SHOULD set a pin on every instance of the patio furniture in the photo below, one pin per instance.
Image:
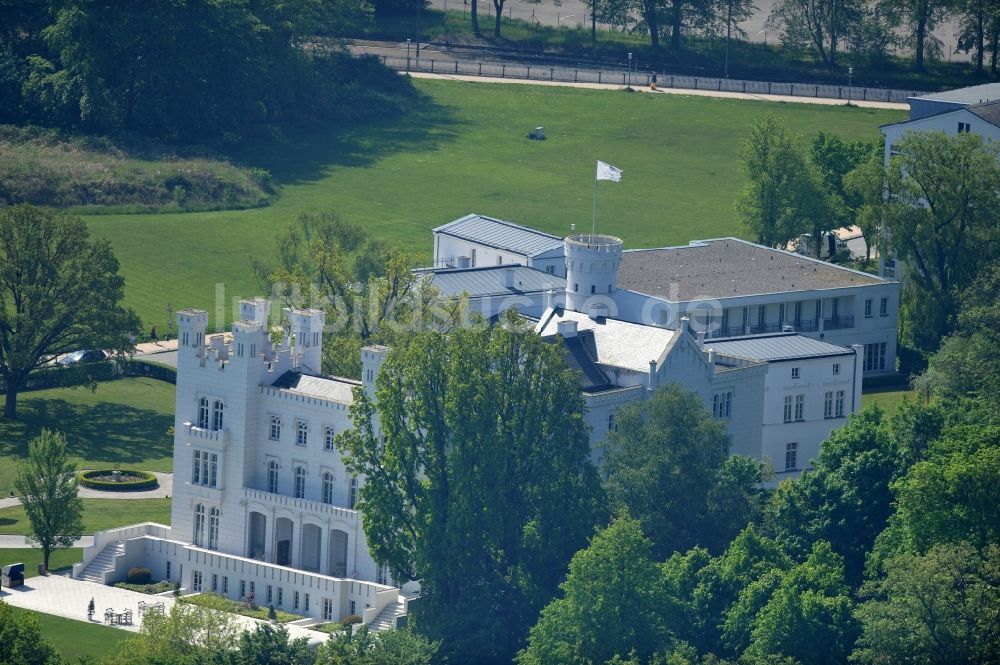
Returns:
(109, 615)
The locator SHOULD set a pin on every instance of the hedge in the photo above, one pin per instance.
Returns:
(141, 480)
(86, 373)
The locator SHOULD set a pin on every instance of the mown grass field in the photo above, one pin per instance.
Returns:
(465, 150)
(77, 639)
(122, 422)
(887, 399)
(31, 557)
(98, 515)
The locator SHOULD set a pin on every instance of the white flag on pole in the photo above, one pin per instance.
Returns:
(608, 172)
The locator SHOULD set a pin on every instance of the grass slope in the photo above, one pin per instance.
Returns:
(76, 639)
(98, 515)
(887, 399)
(465, 151)
(122, 422)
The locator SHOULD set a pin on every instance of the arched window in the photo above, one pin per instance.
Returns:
(203, 413)
(300, 482)
(217, 415)
(301, 433)
(213, 529)
(352, 496)
(272, 477)
(327, 487)
(199, 524)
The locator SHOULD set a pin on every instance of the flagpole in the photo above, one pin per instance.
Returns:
(593, 221)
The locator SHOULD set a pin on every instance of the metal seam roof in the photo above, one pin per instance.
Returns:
(501, 234)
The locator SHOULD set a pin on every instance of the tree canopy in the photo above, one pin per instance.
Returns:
(60, 291)
(477, 479)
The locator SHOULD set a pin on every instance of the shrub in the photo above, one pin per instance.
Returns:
(151, 589)
(217, 602)
(271, 614)
(350, 619)
(139, 576)
(131, 481)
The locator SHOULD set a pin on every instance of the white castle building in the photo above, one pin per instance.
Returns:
(263, 504)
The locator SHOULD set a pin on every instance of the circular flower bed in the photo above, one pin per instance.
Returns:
(117, 481)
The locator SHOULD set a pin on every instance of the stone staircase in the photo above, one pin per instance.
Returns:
(102, 562)
(386, 619)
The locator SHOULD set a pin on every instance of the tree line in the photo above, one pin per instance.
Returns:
(934, 208)
(194, 70)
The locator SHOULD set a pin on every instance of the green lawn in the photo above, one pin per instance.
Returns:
(98, 514)
(76, 639)
(887, 399)
(464, 150)
(122, 422)
(31, 557)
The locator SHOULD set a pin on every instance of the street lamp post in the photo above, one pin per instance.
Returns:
(630, 72)
(850, 83)
(729, 32)
(418, 30)
(407, 55)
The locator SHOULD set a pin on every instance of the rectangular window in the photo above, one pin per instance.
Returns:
(836, 369)
(875, 357)
(800, 407)
(243, 588)
(828, 404)
(611, 421)
(280, 595)
(328, 436)
(761, 317)
(168, 570)
(213, 477)
(788, 408)
(473, 261)
(791, 452)
(499, 259)
(883, 307)
(305, 602)
(196, 470)
(798, 313)
(868, 308)
(270, 594)
(795, 372)
(353, 607)
(196, 580)
(225, 585)
(327, 609)
(295, 600)
(253, 587)
(781, 313)
(550, 269)
(840, 403)
(722, 404)
(275, 433)
(964, 127)
(215, 582)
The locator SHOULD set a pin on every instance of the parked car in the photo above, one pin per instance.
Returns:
(83, 356)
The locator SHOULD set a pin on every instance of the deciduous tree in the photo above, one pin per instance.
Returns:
(59, 291)
(783, 195)
(477, 479)
(612, 604)
(21, 640)
(46, 487)
(943, 222)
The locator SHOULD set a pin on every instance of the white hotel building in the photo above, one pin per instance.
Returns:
(262, 503)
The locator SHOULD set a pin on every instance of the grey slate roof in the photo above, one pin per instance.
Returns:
(333, 389)
(728, 267)
(579, 354)
(501, 235)
(612, 342)
(973, 94)
(478, 282)
(782, 346)
(990, 111)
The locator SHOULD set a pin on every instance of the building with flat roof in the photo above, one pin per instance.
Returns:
(494, 289)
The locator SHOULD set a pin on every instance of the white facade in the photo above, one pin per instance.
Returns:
(262, 502)
(477, 241)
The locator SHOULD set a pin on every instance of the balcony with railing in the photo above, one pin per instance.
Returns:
(201, 435)
(307, 505)
(804, 325)
(838, 323)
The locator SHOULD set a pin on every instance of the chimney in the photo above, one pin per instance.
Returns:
(684, 325)
(509, 278)
(652, 375)
(711, 356)
(701, 337)
(550, 299)
(566, 328)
